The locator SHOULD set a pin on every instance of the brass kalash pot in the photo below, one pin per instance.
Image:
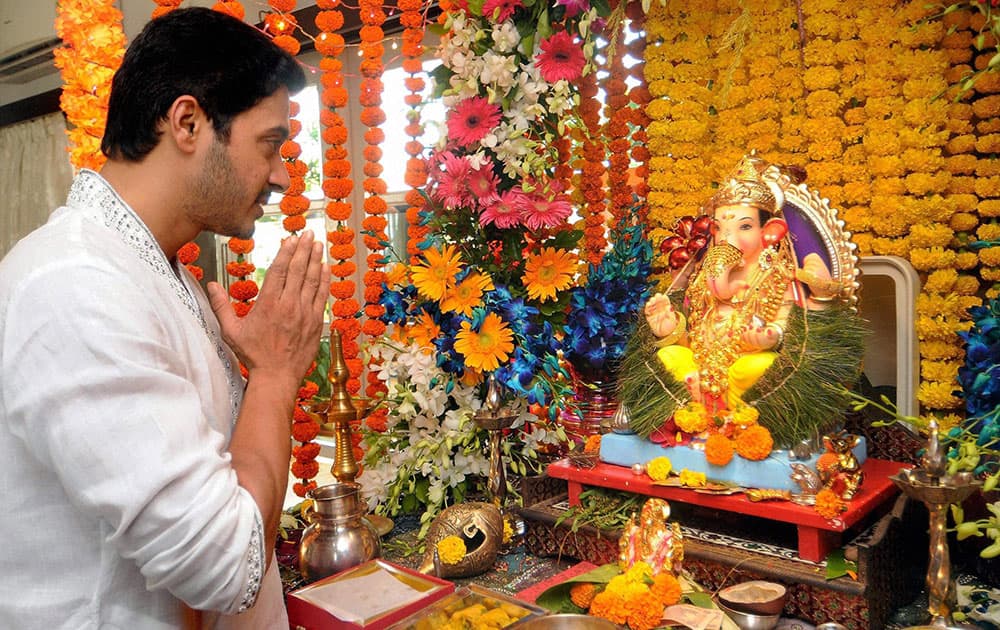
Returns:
(338, 537)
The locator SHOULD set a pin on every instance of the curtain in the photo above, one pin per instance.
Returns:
(35, 175)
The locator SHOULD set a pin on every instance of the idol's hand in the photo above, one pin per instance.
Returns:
(279, 337)
(660, 315)
(758, 336)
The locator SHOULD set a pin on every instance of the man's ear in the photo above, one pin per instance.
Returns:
(185, 123)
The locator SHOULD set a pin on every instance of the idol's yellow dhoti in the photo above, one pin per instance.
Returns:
(742, 374)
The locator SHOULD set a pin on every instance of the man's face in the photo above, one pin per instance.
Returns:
(739, 225)
(237, 176)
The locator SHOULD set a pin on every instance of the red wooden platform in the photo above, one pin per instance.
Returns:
(817, 536)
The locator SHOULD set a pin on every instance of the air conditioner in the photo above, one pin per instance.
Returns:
(29, 61)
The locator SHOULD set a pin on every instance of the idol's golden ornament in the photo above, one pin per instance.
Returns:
(651, 539)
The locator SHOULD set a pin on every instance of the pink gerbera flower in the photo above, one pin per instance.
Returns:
(471, 120)
(574, 7)
(506, 8)
(452, 190)
(482, 184)
(561, 58)
(539, 212)
(506, 211)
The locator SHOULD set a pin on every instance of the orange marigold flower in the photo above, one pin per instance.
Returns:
(346, 308)
(826, 462)
(243, 290)
(373, 328)
(305, 470)
(294, 223)
(301, 489)
(240, 269)
(296, 184)
(582, 593)
(188, 253)
(308, 389)
(666, 588)
(338, 210)
(305, 431)
(828, 504)
(754, 443)
(375, 205)
(235, 9)
(337, 188)
(644, 611)
(592, 444)
(242, 308)
(372, 153)
(342, 252)
(608, 605)
(240, 246)
(718, 450)
(287, 43)
(196, 271)
(372, 116)
(294, 205)
(344, 269)
(305, 452)
(330, 44)
(329, 20)
(282, 5)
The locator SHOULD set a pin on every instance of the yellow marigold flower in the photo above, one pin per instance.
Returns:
(451, 549)
(508, 534)
(548, 272)
(985, 127)
(864, 243)
(989, 208)
(990, 256)
(754, 443)
(988, 167)
(930, 235)
(639, 572)
(582, 594)
(987, 106)
(609, 605)
(926, 259)
(961, 144)
(989, 186)
(890, 246)
(965, 260)
(857, 218)
(940, 350)
(939, 370)
(937, 395)
(693, 479)
(485, 349)
(990, 274)
(988, 231)
(963, 222)
(692, 418)
(828, 504)
(659, 468)
(967, 285)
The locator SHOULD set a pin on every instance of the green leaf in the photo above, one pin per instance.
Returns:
(701, 600)
(544, 26)
(442, 76)
(838, 566)
(476, 7)
(602, 6)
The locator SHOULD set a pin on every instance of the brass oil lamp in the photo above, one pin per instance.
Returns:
(342, 411)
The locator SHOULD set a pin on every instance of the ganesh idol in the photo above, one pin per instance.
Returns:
(758, 324)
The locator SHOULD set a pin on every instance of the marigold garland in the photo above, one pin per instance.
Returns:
(416, 169)
(92, 49)
(337, 185)
(592, 170)
(187, 255)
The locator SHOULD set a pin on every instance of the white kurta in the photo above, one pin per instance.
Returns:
(118, 501)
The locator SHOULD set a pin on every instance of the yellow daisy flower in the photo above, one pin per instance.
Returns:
(547, 272)
(467, 295)
(437, 276)
(486, 348)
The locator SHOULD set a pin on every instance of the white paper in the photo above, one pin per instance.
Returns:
(363, 597)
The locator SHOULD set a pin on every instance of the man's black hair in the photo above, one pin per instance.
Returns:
(227, 65)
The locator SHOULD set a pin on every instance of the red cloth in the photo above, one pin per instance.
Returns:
(531, 593)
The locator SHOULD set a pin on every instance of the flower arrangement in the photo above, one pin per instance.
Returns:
(493, 279)
(430, 453)
(635, 597)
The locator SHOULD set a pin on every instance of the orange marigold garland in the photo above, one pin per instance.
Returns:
(243, 289)
(640, 97)
(592, 171)
(374, 224)
(164, 7)
(828, 504)
(187, 255)
(412, 21)
(337, 186)
(93, 46)
(617, 132)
